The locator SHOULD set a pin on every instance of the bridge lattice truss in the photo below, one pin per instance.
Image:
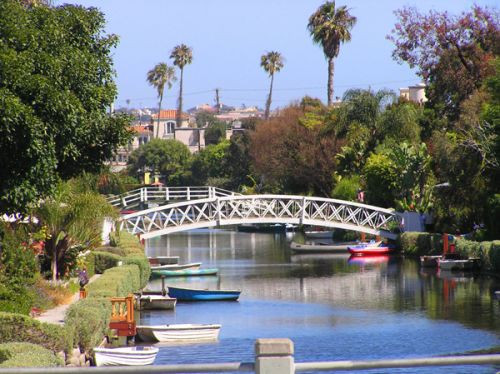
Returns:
(234, 210)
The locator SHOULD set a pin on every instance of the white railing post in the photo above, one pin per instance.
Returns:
(218, 212)
(188, 194)
(142, 194)
(303, 213)
(146, 194)
(274, 356)
(167, 197)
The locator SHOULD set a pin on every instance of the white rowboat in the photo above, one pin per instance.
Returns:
(191, 265)
(319, 234)
(320, 248)
(157, 302)
(125, 356)
(179, 333)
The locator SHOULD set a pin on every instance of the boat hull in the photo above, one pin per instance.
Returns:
(192, 265)
(179, 333)
(369, 251)
(320, 248)
(154, 302)
(319, 234)
(185, 273)
(468, 264)
(188, 294)
(125, 356)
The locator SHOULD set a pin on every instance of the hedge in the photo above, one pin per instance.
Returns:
(421, 243)
(116, 282)
(27, 355)
(87, 320)
(104, 261)
(20, 328)
(488, 252)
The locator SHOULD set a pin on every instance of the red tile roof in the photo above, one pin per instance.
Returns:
(169, 114)
(141, 129)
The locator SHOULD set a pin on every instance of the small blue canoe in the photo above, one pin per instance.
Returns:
(190, 294)
(184, 273)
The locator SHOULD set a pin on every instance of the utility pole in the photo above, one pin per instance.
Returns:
(217, 100)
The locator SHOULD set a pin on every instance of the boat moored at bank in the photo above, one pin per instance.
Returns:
(125, 356)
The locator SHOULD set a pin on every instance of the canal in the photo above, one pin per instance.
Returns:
(333, 307)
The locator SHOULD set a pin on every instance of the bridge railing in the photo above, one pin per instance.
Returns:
(233, 210)
(274, 356)
(152, 193)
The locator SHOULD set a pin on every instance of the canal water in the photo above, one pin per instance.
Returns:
(333, 307)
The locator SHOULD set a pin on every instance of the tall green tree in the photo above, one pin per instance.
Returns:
(158, 77)
(170, 158)
(329, 26)
(56, 85)
(182, 55)
(450, 52)
(272, 62)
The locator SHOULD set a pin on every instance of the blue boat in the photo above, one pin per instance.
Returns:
(190, 294)
(184, 273)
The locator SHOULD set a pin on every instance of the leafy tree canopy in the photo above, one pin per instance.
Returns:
(451, 53)
(56, 83)
(170, 158)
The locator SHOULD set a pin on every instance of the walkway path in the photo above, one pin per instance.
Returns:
(56, 315)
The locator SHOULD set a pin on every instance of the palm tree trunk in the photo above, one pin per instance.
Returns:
(268, 102)
(159, 112)
(179, 108)
(331, 69)
(53, 267)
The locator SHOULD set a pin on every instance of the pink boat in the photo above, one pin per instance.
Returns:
(370, 249)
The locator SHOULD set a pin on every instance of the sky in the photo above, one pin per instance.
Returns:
(228, 37)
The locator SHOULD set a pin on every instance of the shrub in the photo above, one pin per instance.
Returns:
(114, 250)
(27, 355)
(15, 299)
(143, 264)
(116, 282)
(19, 328)
(420, 243)
(87, 320)
(488, 252)
(104, 261)
(347, 189)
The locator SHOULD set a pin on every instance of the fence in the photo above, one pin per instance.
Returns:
(272, 356)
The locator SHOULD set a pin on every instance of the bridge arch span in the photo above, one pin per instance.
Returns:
(234, 210)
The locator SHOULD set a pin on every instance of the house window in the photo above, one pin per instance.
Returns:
(169, 128)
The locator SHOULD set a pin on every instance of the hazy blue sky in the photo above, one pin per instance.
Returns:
(229, 36)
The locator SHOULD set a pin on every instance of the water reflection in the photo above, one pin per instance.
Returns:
(332, 302)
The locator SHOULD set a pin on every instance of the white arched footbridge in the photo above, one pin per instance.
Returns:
(235, 210)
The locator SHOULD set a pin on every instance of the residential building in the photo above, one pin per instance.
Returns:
(415, 93)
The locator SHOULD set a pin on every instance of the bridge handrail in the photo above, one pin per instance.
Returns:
(167, 193)
(260, 197)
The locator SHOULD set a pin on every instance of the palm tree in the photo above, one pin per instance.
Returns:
(72, 218)
(158, 77)
(182, 55)
(329, 27)
(271, 62)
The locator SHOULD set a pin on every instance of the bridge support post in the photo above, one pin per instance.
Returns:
(274, 356)
(218, 212)
(303, 213)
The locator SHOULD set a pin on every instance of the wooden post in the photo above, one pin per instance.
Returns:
(83, 293)
(163, 290)
(445, 243)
